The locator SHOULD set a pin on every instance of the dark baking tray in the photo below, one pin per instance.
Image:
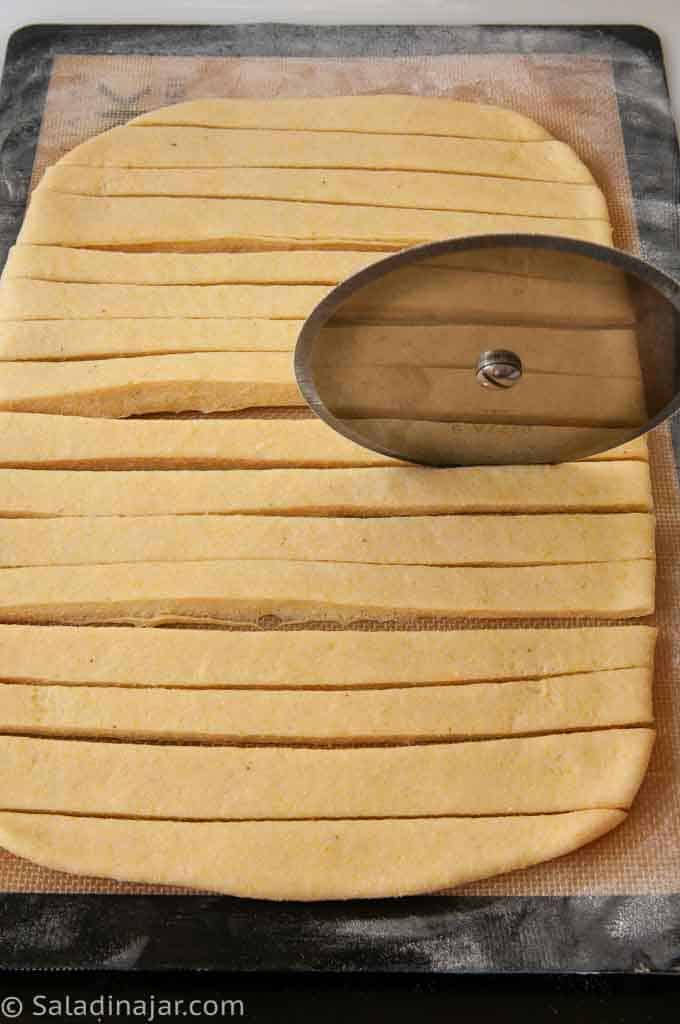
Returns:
(416, 934)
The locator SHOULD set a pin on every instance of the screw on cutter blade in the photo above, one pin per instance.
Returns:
(498, 368)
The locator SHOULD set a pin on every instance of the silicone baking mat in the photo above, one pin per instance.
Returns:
(583, 95)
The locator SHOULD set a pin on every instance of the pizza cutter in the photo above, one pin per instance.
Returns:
(497, 349)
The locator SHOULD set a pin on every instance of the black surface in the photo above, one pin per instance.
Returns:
(421, 934)
(336, 999)
(433, 935)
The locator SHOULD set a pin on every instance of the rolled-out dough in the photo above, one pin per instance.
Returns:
(188, 224)
(393, 490)
(400, 540)
(197, 382)
(82, 339)
(399, 114)
(246, 590)
(423, 295)
(301, 860)
(186, 146)
(408, 189)
(34, 440)
(322, 659)
(560, 772)
(22, 299)
(57, 263)
(621, 697)
(547, 350)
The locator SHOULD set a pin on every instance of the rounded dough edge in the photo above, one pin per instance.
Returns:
(296, 860)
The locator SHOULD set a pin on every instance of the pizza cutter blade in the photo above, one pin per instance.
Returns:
(497, 349)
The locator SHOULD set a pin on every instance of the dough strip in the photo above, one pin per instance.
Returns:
(399, 540)
(391, 189)
(397, 490)
(301, 860)
(245, 590)
(194, 658)
(162, 223)
(227, 381)
(594, 700)
(544, 774)
(400, 114)
(198, 382)
(34, 440)
(168, 146)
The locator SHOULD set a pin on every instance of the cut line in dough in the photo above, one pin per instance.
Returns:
(202, 225)
(336, 717)
(559, 772)
(161, 146)
(35, 440)
(388, 113)
(57, 263)
(89, 339)
(23, 299)
(398, 490)
(423, 297)
(547, 350)
(228, 381)
(301, 860)
(424, 190)
(243, 590)
(194, 658)
(197, 382)
(399, 540)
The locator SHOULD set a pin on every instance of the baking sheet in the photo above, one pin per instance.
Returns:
(579, 97)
